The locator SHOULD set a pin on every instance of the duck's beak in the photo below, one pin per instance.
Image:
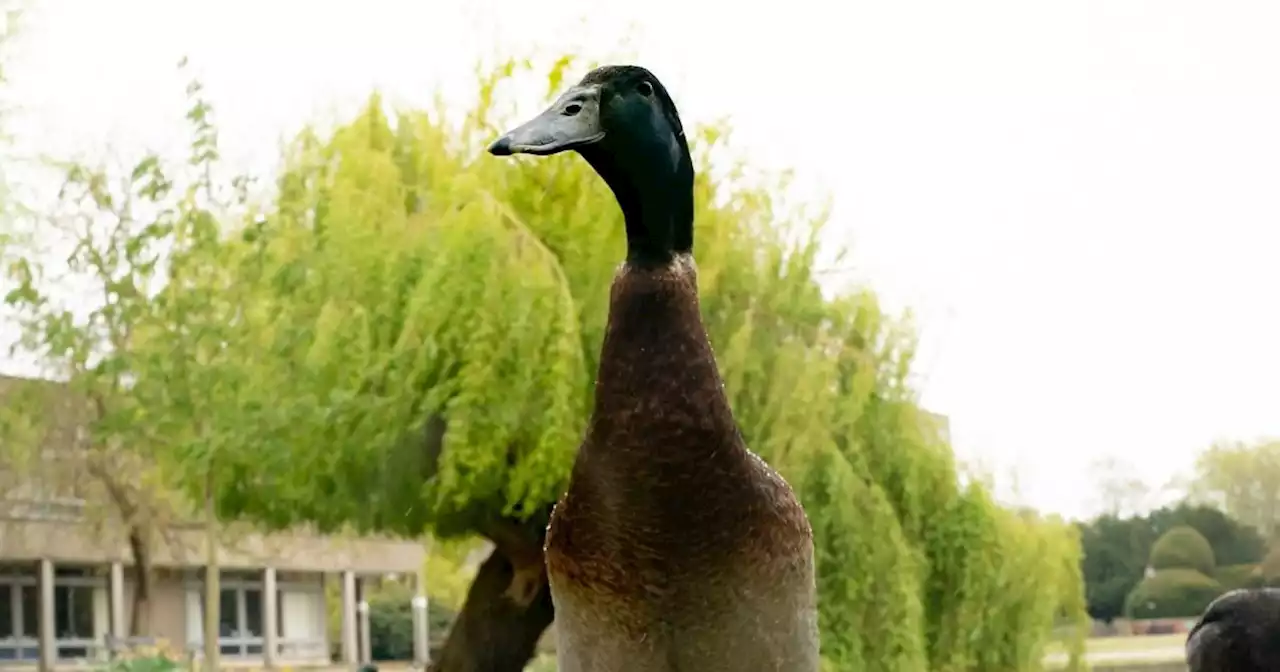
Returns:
(571, 122)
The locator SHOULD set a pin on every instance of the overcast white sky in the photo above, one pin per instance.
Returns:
(1079, 198)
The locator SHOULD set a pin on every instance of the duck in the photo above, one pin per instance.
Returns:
(674, 547)
(1238, 632)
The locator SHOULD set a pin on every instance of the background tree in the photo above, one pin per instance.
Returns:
(122, 236)
(405, 340)
(1244, 480)
(1121, 491)
(1179, 580)
(1182, 548)
(77, 324)
(1115, 555)
(1117, 551)
(423, 323)
(1233, 542)
(1269, 568)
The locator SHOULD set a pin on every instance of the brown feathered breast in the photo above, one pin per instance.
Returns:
(665, 503)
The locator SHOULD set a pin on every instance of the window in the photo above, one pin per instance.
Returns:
(228, 614)
(73, 620)
(8, 628)
(76, 627)
(75, 601)
(19, 619)
(29, 609)
(253, 611)
(300, 616)
(73, 612)
(239, 616)
(240, 621)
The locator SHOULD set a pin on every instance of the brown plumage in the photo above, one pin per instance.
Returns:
(675, 547)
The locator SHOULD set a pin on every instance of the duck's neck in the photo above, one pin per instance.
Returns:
(656, 197)
(658, 386)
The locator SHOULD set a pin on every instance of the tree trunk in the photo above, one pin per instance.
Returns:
(140, 620)
(494, 632)
(212, 589)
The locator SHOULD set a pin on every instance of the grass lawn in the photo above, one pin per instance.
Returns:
(1111, 650)
(1121, 644)
(1153, 650)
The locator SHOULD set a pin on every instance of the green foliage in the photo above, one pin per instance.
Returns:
(1270, 568)
(1234, 577)
(1115, 554)
(450, 575)
(1172, 593)
(1026, 544)
(391, 629)
(1183, 548)
(405, 340)
(1117, 550)
(128, 237)
(869, 582)
(154, 663)
(147, 658)
(1233, 542)
(391, 621)
(1244, 478)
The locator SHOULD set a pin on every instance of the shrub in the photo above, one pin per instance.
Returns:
(1183, 548)
(156, 663)
(1239, 576)
(157, 657)
(1269, 568)
(1172, 593)
(391, 621)
(390, 629)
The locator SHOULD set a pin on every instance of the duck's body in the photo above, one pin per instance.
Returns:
(675, 548)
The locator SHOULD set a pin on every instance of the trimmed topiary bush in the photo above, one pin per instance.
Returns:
(1172, 593)
(1269, 568)
(1239, 576)
(391, 621)
(1183, 548)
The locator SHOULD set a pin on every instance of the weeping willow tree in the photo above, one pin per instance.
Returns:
(405, 341)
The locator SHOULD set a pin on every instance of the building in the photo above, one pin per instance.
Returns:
(66, 582)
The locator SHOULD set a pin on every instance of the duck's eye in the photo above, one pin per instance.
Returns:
(645, 88)
(572, 108)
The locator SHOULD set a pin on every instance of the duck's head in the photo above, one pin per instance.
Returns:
(1239, 630)
(622, 121)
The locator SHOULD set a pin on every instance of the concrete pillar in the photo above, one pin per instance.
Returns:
(421, 626)
(48, 642)
(115, 591)
(350, 648)
(270, 645)
(362, 607)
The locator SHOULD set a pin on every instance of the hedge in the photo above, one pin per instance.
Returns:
(1239, 576)
(1172, 593)
(1183, 548)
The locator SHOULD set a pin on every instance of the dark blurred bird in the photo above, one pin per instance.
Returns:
(1239, 632)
